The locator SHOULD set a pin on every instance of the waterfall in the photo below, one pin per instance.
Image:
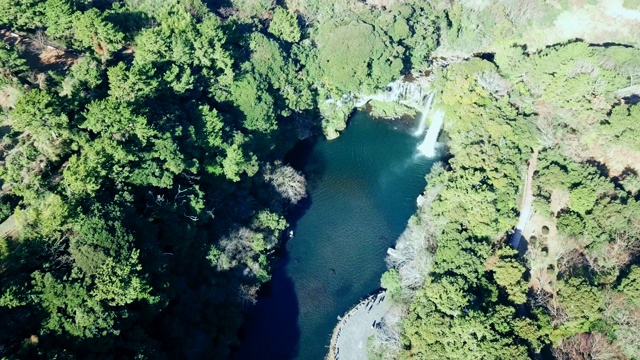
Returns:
(428, 146)
(423, 116)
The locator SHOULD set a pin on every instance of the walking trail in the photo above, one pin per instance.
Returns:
(527, 202)
(349, 339)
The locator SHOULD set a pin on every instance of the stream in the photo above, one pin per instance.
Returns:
(362, 191)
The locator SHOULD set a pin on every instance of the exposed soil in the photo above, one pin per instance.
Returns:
(616, 159)
(559, 200)
(607, 21)
(543, 251)
(8, 96)
(40, 54)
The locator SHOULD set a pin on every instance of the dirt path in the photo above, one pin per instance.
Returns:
(38, 52)
(349, 338)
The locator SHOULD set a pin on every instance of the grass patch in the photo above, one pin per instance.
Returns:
(390, 110)
(631, 4)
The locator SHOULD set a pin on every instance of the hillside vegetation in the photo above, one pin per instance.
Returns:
(143, 191)
(574, 292)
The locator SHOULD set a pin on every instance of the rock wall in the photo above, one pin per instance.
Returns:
(408, 90)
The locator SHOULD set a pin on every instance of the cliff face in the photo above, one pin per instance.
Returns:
(409, 90)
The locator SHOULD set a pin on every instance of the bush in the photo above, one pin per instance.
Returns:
(571, 224)
(390, 110)
(285, 25)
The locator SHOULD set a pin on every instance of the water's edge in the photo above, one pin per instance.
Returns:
(362, 191)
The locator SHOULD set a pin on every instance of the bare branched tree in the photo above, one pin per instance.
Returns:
(236, 248)
(631, 183)
(616, 255)
(567, 254)
(40, 40)
(615, 308)
(593, 346)
(626, 316)
(523, 12)
(547, 124)
(494, 83)
(583, 66)
(288, 182)
(387, 337)
(248, 293)
(413, 253)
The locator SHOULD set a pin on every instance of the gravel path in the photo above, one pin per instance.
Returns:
(349, 339)
(527, 201)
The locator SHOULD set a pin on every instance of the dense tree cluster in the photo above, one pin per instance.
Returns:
(142, 180)
(141, 183)
(479, 298)
(143, 191)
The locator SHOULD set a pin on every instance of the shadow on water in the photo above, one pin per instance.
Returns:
(270, 329)
(271, 326)
(363, 189)
(311, 164)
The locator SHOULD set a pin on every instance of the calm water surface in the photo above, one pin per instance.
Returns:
(362, 190)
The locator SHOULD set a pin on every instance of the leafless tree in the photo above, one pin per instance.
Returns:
(592, 346)
(549, 301)
(631, 183)
(288, 182)
(236, 248)
(615, 308)
(386, 338)
(415, 248)
(567, 253)
(540, 298)
(617, 254)
(40, 40)
(248, 293)
(523, 12)
(547, 124)
(582, 66)
(626, 316)
(494, 83)
(541, 280)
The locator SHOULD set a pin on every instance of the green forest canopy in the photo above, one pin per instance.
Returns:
(566, 297)
(144, 193)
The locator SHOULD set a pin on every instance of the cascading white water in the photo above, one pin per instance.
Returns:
(423, 116)
(428, 146)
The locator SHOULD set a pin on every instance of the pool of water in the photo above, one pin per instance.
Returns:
(362, 190)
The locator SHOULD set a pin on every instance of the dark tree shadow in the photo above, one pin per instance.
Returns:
(271, 329)
(129, 22)
(633, 99)
(486, 56)
(612, 44)
(302, 158)
(602, 168)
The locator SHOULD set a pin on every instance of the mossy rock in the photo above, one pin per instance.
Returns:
(390, 110)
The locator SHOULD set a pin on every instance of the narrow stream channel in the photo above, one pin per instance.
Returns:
(362, 190)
